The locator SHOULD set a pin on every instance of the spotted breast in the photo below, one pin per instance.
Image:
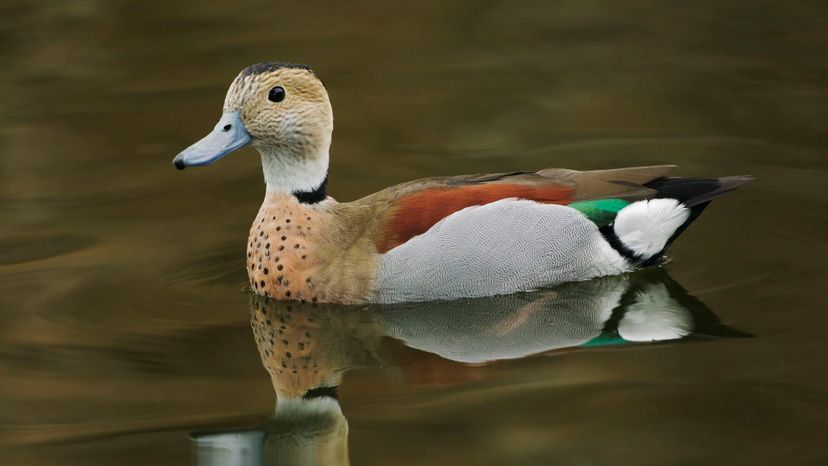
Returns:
(297, 251)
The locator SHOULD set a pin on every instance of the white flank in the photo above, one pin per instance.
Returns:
(645, 226)
(503, 247)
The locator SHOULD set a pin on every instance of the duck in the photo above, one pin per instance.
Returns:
(438, 238)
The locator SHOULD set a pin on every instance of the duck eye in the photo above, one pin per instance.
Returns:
(277, 94)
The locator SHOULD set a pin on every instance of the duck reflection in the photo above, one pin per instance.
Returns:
(648, 306)
(307, 348)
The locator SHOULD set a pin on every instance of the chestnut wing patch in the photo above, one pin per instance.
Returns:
(415, 213)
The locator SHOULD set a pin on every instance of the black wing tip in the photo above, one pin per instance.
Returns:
(695, 191)
(732, 182)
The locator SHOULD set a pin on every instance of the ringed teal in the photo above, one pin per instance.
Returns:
(434, 238)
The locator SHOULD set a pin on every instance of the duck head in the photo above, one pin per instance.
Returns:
(283, 111)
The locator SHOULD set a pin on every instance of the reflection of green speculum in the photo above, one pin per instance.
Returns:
(606, 338)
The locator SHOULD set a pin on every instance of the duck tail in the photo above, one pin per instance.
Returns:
(642, 230)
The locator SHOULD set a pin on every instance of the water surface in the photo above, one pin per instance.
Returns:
(127, 335)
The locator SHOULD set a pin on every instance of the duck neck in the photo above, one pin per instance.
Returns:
(303, 175)
(319, 194)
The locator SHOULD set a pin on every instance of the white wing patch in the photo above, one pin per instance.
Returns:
(646, 226)
(499, 248)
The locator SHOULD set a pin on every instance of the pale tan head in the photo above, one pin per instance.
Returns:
(282, 110)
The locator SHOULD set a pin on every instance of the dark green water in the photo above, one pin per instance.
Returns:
(125, 329)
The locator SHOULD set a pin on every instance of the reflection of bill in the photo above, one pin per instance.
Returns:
(306, 349)
(303, 431)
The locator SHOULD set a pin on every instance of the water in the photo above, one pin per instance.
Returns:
(125, 328)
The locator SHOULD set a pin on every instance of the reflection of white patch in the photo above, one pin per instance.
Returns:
(645, 226)
(655, 316)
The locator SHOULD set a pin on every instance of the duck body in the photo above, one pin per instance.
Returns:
(471, 236)
(436, 238)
